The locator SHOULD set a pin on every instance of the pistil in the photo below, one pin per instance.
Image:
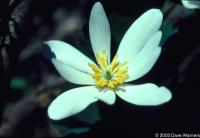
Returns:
(109, 74)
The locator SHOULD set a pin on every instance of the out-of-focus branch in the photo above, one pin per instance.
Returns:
(6, 61)
(13, 4)
(173, 12)
(187, 61)
(19, 12)
(20, 110)
(71, 25)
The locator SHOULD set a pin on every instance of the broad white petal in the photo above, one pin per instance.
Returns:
(191, 4)
(67, 54)
(107, 96)
(139, 33)
(72, 102)
(145, 59)
(99, 30)
(71, 74)
(146, 94)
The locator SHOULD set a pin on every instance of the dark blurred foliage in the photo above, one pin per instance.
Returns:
(28, 82)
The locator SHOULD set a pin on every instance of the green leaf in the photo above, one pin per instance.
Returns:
(65, 130)
(20, 83)
(90, 115)
(168, 30)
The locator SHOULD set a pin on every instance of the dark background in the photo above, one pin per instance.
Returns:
(28, 82)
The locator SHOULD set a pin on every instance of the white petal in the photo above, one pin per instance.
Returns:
(139, 33)
(67, 54)
(72, 74)
(145, 59)
(72, 102)
(146, 94)
(107, 96)
(191, 4)
(99, 30)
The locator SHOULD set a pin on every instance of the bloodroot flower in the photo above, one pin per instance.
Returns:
(138, 51)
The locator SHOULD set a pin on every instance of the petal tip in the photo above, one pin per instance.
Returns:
(52, 114)
(167, 95)
(107, 97)
(156, 12)
(97, 5)
(191, 4)
(50, 42)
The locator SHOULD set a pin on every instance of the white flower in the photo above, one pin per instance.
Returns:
(191, 4)
(137, 53)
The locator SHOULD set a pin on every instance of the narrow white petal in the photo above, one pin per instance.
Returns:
(145, 59)
(191, 4)
(72, 102)
(67, 54)
(139, 33)
(71, 74)
(107, 96)
(146, 94)
(99, 30)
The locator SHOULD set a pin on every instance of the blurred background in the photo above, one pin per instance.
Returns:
(28, 82)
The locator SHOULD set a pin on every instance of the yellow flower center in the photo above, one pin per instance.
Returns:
(109, 74)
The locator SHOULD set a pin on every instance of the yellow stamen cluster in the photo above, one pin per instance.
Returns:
(109, 74)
